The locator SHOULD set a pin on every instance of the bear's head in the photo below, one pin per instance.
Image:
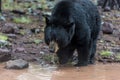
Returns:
(59, 30)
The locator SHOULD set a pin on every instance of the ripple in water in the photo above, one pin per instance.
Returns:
(37, 72)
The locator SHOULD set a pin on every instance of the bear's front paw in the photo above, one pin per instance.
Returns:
(81, 64)
(91, 61)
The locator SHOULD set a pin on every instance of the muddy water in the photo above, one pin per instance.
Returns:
(36, 72)
(93, 72)
(6, 74)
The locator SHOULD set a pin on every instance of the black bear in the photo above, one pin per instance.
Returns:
(74, 24)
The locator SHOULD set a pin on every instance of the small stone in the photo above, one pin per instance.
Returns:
(41, 52)
(116, 32)
(107, 28)
(8, 28)
(4, 55)
(106, 9)
(12, 35)
(117, 15)
(20, 49)
(16, 64)
(116, 49)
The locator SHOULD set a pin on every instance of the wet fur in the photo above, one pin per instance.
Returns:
(74, 24)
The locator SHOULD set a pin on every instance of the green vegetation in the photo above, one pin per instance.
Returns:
(37, 41)
(22, 20)
(51, 58)
(118, 56)
(3, 40)
(7, 5)
(10, 5)
(3, 37)
(106, 53)
(22, 32)
(26, 7)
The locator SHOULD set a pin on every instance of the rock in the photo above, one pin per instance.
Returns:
(42, 53)
(117, 15)
(12, 36)
(35, 30)
(107, 28)
(2, 18)
(35, 12)
(20, 49)
(4, 50)
(106, 9)
(116, 49)
(3, 43)
(9, 28)
(17, 64)
(116, 33)
(20, 12)
(4, 55)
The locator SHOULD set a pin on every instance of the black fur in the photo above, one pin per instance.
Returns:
(74, 24)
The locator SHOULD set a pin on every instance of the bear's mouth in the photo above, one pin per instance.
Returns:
(53, 47)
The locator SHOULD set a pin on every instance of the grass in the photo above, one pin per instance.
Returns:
(3, 40)
(22, 19)
(37, 41)
(118, 56)
(106, 53)
(3, 37)
(52, 58)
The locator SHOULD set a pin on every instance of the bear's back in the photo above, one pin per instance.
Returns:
(78, 10)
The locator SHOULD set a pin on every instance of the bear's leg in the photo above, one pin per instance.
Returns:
(92, 52)
(83, 53)
(64, 54)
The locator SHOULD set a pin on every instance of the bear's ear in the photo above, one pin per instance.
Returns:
(47, 19)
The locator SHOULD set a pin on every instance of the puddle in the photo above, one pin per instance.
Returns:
(6, 74)
(36, 72)
(92, 72)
